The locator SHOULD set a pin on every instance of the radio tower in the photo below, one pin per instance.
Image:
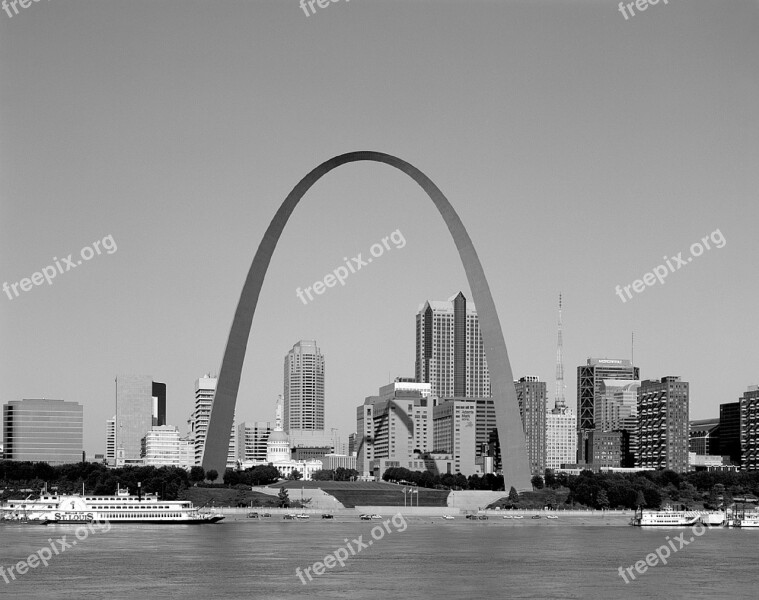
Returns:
(560, 402)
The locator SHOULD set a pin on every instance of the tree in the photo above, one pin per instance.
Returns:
(550, 478)
(295, 475)
(513, 494)
(284, 498)
(602, 500)
(537, 482)
(197, 474)
(640, 499)
(212, 475)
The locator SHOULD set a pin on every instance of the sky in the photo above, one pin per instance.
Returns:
(579, 147)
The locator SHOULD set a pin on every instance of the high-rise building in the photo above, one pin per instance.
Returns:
(663, 424)
(531, 395)
(205, 389)
(750, 428)
(561, 437)
(449, 351)
(590, 386)
(396, 427)
(352, 444)
(455, 432)
(730, 443)
(704, 437)
(134, 416)
(251, 440)
(110, 442)
(485, 424)
(304, 387)
(41, 430)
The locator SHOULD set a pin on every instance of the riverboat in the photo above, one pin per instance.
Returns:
(122, 507)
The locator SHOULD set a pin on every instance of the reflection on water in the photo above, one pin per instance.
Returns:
(430, 559)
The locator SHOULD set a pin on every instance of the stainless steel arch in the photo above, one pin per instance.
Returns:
(516, 469)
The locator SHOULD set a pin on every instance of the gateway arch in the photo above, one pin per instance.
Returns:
(516, 470)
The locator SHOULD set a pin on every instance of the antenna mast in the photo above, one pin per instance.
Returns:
(560, 402)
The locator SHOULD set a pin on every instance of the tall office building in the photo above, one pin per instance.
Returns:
(449, 351)
(205, 389)
(663, 424)
(485, 424)
(41, 430)
(455, 432)
(590, 386)
(110, 442)
(561, 437)
(394, 429)
(750, 428)
(135, 415)
(251, 440)
(304, 387)
(730, 443)
(531, 395)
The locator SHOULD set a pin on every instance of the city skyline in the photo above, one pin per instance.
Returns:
(590, 192)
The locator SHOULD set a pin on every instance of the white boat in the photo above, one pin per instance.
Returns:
(507, 517)
(120, 508)
(746, 520)
(519, 516)
(551, 517)
(448, 517)
(713, 519)
(303, 516)
(667, 517)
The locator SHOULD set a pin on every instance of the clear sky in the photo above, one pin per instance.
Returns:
(578, 147)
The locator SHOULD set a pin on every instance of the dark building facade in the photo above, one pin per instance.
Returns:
(590, 381)
(159, 411)
(730, 431)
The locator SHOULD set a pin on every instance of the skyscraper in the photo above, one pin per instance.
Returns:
(41, 430)
(134, 416)
(304, 387)
(531, 394)
(590, 386)
(663, 424)
(449, 351)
